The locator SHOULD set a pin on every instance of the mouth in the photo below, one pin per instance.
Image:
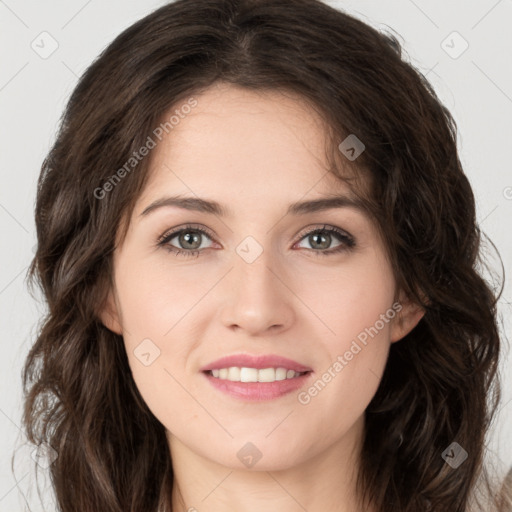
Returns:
(256, 378)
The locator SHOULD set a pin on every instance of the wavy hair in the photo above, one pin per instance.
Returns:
(441, 381)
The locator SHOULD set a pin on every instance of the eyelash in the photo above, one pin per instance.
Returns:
(348, 242)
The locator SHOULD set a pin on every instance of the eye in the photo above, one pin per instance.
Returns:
(321, 238)
(189, 237)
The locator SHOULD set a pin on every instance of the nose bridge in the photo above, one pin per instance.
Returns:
(255, 275)
(256, 298)
(252, 274)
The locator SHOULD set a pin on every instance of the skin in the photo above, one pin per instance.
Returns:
(255, 153)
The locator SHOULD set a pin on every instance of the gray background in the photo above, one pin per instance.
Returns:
(476, 86)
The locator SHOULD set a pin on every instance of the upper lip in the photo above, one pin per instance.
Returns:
(256, 361)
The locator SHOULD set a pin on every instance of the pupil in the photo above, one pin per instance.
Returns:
(325, 244)
(187, 238)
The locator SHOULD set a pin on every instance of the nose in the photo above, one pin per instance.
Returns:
(258, 297)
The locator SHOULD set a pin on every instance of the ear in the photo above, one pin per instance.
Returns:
(406, 320)
(109, 314)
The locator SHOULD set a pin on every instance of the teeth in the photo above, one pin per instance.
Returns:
(281, 373)
(245, 375)
(236, 374)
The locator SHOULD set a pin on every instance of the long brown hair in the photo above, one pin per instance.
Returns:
(440, 385)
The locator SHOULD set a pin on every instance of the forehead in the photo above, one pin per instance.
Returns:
(259, 145)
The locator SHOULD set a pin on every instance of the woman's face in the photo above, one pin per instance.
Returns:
(260, 283)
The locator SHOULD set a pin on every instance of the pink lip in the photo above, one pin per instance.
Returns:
(258, 362)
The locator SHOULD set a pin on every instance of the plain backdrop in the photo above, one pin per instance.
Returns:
(463, 47)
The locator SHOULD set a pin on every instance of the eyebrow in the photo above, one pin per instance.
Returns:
(214, 208)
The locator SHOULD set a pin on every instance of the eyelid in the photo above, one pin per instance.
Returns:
(179, 229)
(324, 227)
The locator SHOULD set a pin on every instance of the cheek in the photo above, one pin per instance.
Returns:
(348, 299)
(157, 315)
(356, 305)
(157, 300)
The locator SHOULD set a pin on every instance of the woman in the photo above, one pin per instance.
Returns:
(201, 351)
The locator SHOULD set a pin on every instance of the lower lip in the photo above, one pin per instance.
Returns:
(258, 391)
